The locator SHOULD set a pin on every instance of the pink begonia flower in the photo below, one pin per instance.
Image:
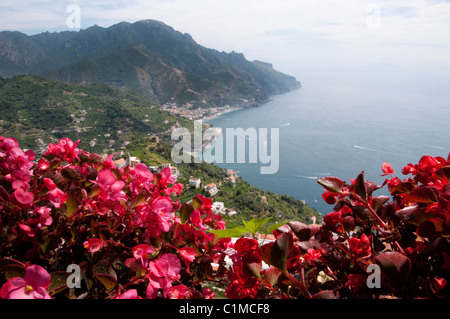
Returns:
(129, 294)
(178, 292)
(33, 285)
(27, 229)
(43, 164)
(142, 253)
(56, 196)
(208, 293)
(93, 244)
(166, 177)
(22, 198)
(45, 217)
(50, 184)
(188, 255)
(162, 273)
(142, 178)
(65, 150)
(156, 217)
(196, 219)
(19, 184)
(111, 188)
(109, 163)
(162, 207)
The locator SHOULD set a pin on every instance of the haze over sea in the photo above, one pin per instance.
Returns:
(340, 126)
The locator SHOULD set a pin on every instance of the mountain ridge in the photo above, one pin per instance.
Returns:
(148, 57)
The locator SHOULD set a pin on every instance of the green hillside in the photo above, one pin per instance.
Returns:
(37, 111)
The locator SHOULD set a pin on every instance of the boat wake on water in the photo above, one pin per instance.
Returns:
(313, 175)
(369, 149)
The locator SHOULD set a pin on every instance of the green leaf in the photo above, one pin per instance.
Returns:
(105, 274)
(196, 202)
(95, 191)
(254, 224)
(71, 205)
(185, 212)
(13, 271)
(109, 281)
(49, 243)
(140, 198)
(58, 282)
(229, 233)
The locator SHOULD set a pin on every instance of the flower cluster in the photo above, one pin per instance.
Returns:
(132, 239)
(406, 240)
(123, 227)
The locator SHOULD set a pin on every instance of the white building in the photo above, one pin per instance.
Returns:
(218, 208)
(195, 182)
(211, 189)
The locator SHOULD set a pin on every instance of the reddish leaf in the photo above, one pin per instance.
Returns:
(402, 188)
(443, 172)
(276, 253)
(396, 266)
(271, 275)
(326, 294)
(379, 201)
(302, 231)
(423, 194)
(430, 228)
(360, 186)
(332, 184)
(255, 269)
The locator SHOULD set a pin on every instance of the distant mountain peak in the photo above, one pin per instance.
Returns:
(146, 56)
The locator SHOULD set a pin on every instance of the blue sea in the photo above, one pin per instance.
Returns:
(333, 127)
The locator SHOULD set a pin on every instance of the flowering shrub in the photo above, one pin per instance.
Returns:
(405, 242)
(122, 227)
(132, 239)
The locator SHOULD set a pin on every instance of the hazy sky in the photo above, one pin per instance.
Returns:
(297, 36)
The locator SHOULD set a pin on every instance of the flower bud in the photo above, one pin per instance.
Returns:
(348, 222)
